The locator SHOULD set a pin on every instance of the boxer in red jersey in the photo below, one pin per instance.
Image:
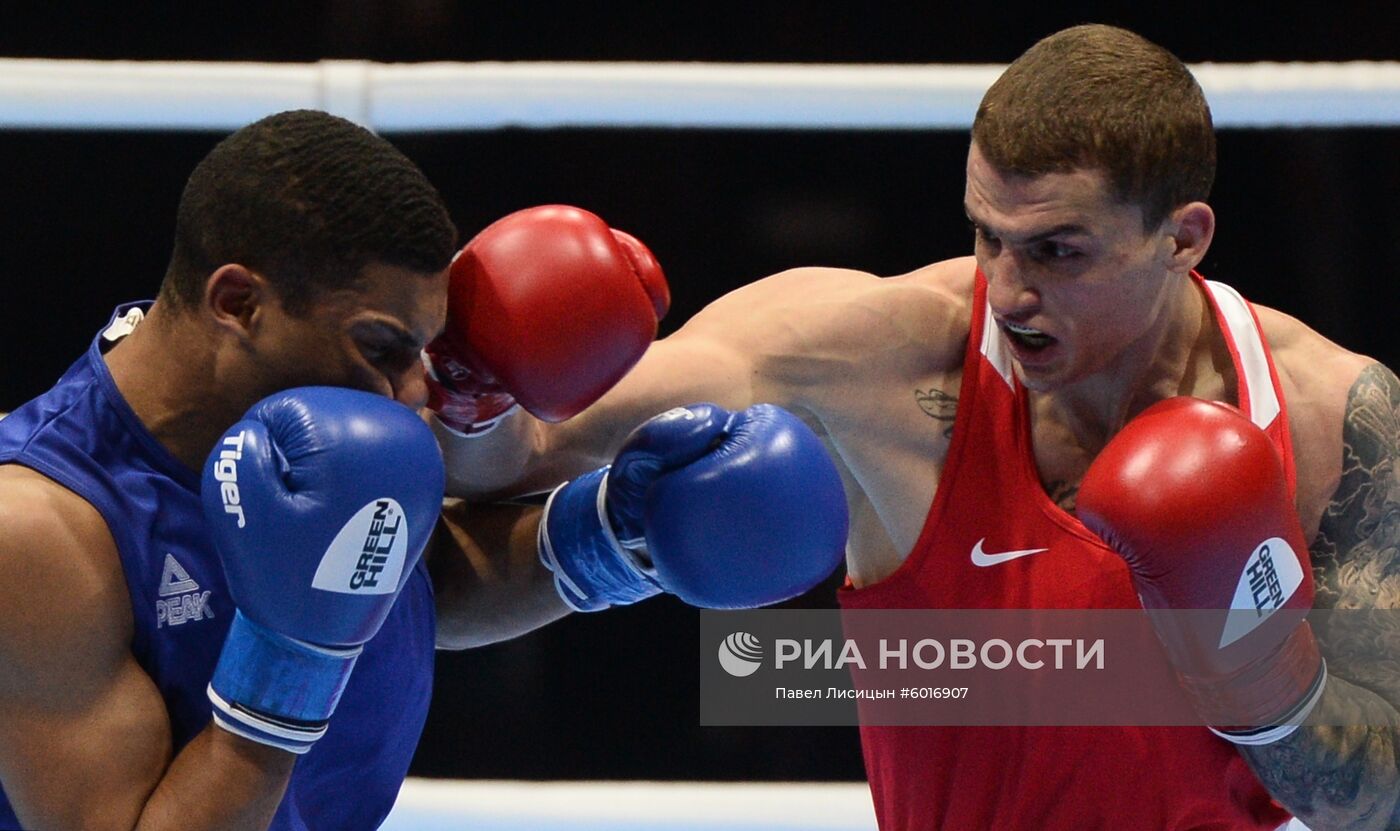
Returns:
(966, 402)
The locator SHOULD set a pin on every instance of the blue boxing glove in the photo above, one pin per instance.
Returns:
(320, 502)
(724, 510)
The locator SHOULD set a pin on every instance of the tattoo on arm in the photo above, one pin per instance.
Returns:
(1356, 558)
(1350, 776)
(1333, 776)
(939, 406)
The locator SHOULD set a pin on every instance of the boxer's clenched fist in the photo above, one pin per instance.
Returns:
(1193, 496)
(321, 501)
(547, 307)
(721, 509)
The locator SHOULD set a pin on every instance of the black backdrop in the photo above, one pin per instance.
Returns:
(1307, 223)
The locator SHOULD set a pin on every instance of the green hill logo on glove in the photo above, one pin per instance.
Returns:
(367, 555)
(1271, 576)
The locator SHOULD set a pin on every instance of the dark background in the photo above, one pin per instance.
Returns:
(1307, 223)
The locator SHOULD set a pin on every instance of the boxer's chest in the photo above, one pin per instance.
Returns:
(994, 537)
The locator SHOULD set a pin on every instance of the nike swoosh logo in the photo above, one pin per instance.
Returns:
(981, 558)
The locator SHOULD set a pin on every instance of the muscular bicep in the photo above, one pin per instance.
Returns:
(1356, 555)
(84, 734)
(84, 757)
(817, 341)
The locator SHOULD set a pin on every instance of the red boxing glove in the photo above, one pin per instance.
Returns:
(548, 307)
(1193, 496)
(465, 397)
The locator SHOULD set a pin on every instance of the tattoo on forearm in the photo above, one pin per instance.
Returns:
(1347, 776)
(1332, 776)
(940, 406)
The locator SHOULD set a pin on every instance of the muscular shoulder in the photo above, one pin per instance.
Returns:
(1320, 371)
(64, 610)
(1345, 411)
(1317, 377)
(819, 320)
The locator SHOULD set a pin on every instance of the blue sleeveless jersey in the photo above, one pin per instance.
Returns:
(83, 435)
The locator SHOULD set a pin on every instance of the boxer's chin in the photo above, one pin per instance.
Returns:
(1037, 381)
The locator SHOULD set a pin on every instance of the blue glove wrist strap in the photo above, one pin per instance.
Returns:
(591, 569)
(277, 690)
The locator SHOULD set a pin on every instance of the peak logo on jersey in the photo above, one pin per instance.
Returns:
(1271, 575)
(367, 555)
(180, 598)
(226, 473)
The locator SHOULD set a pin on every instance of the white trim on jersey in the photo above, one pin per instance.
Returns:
(1264, 405)
(994, 347)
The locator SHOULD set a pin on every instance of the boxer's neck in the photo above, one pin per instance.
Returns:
(167, 370)
(1163, 362)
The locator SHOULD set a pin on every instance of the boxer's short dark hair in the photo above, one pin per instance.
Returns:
(1100, 97)
(308, 200)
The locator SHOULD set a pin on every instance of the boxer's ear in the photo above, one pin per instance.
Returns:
(234, 296)
(1186, 235)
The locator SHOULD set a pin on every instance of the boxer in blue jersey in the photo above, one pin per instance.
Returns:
(225, 560)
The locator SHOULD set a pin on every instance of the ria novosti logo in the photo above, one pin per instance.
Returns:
(741, 654)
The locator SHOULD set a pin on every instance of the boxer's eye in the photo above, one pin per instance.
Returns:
(983, 237)
(374, 350)
(1052, 250)
(374, 353)
(389, 357)
(382, 345)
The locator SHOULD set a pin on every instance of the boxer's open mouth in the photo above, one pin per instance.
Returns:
(1027, 337)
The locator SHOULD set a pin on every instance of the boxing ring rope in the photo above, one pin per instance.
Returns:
(438, 805)
(129, 95)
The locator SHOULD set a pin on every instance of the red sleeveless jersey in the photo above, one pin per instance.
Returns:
(989, 494)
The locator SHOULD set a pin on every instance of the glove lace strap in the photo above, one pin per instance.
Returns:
(592, 569)
(1288, 724)
(275, 689)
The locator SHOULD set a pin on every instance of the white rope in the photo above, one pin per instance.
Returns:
(573, 806)
(481, 96)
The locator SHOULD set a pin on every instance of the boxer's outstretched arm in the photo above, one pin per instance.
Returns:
(488, 582)
(800, 339)
(84, 734)
(722, 509)
(522, 455)
(796, 339)
(1349, 777)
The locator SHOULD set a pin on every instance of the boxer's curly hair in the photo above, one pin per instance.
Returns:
(1097, 96)
(308, 200)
